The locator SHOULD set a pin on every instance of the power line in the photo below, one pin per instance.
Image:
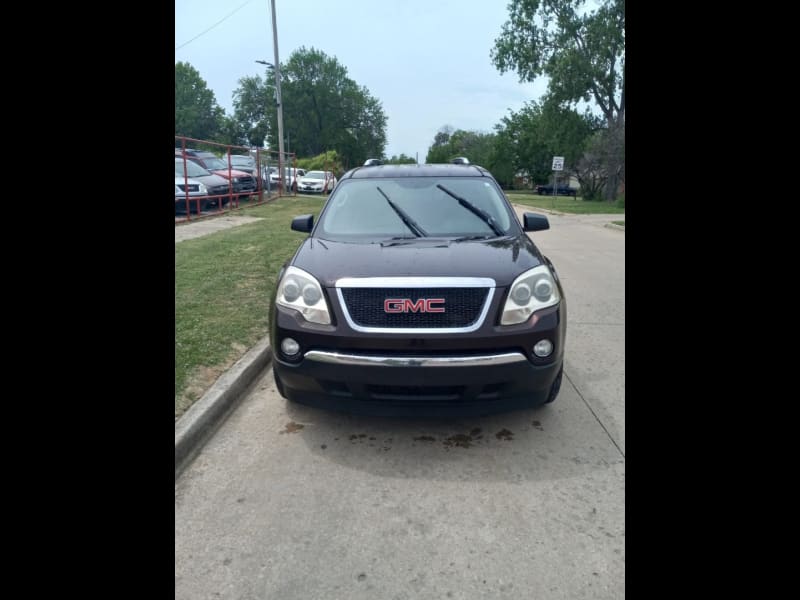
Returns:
(214, 25)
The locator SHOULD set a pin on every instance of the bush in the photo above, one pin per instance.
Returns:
(592, 195)
(621, 201)
(326, 161)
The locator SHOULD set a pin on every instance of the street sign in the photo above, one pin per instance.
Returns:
(558, 163)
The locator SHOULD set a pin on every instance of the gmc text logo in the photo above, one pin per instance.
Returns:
(404, 305)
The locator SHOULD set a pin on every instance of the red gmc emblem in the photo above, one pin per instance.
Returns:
(404, 305)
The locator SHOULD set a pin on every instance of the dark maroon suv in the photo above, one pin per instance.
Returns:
(418, 292)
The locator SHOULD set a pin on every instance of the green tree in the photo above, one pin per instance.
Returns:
(400, 160)
(440, 151)
(197, 113)
(327, 161)
(593, 168)
(502, 158)
(448, 144)
(229, 131)
(251, 105)
(529, 139)
(583, 54)
(323, 109)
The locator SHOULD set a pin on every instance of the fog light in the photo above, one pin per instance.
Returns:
(542, 348)
(290, 347)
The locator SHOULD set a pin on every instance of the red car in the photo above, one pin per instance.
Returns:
(244, 184)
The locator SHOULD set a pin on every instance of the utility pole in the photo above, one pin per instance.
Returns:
(281, 168)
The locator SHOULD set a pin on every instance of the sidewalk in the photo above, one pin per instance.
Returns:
(193, 229)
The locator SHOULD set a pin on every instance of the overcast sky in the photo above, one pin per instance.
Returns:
(427, 61)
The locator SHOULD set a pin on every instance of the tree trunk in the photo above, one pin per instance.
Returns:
(615, 155)
(612, 183)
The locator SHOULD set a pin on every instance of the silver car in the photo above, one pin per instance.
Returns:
(215, 185)
(196, 190)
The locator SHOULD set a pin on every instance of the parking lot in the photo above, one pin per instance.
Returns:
(292, 502)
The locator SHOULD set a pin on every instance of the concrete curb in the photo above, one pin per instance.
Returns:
(615, 226)
(194, 428)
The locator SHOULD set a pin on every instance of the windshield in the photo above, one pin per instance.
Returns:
(215, 163)
(415, 206)
(192, 168)
(242, 160)
(315, 175)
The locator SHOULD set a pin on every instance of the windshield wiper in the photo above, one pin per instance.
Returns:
(481, 214)
(467, 238)
(410, 223)
(399, 241)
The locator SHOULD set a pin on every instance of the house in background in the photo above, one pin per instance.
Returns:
(522, 181)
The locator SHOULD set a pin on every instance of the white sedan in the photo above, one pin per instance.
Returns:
(317, 181)
(291, 177)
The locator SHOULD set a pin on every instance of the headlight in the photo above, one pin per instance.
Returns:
(300, 291)
(178, 190)
(203, 189)
(531, 291)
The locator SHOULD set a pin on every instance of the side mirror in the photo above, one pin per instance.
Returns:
(534, 222)
(303, 223)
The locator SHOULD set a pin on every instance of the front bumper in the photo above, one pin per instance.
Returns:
(194, 200)
(486, 371)
(248, 186)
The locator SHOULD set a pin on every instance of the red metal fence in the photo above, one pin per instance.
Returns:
(197, 205)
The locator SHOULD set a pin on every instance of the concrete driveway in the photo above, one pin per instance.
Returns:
(292, 502)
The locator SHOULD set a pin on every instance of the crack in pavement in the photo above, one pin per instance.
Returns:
(594, 414)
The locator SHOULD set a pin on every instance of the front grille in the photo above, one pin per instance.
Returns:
(193, 187)
(462, 307)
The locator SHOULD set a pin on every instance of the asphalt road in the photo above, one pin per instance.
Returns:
(289, 502)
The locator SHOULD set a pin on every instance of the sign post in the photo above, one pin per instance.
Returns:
(558, 165)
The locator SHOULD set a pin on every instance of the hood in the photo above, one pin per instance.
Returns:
(502, 259)
(233, 172)
(190, 181)
(212, 180)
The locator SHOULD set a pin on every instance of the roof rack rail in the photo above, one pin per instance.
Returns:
(373, 162)
(460, 160)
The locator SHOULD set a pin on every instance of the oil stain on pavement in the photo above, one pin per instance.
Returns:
(292, 427)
